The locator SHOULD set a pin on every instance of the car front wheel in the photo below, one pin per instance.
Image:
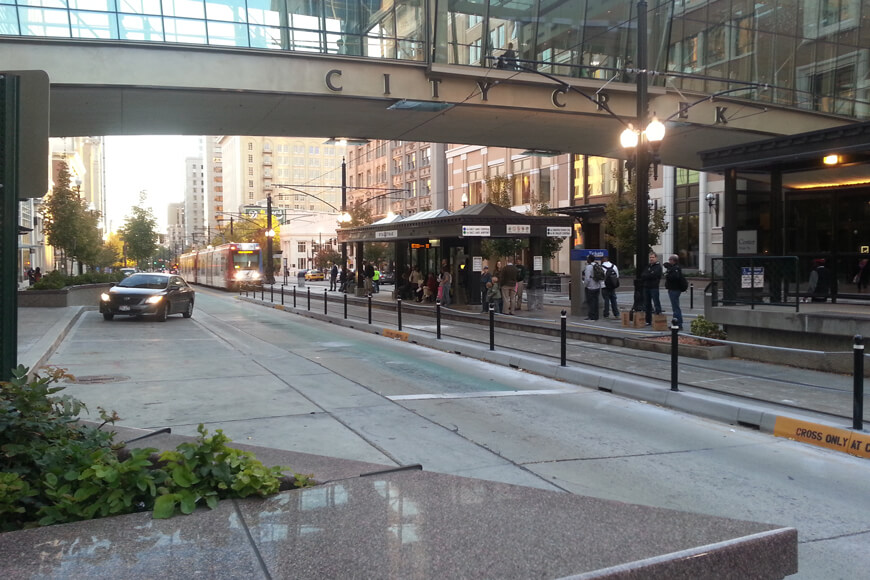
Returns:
(108, 316)
(162, 313)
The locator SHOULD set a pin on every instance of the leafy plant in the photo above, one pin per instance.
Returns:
(703, 327)
(54, 469)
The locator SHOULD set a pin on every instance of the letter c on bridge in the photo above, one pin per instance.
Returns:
(329, 80)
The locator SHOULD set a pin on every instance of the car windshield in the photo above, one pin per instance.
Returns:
(144, 281)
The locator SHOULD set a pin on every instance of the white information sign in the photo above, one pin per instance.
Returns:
(752, 277)
(747, 242)
(477, 263)
(476, 231)
(518, 229)
(558, 232)
(538, 263)
(387, 234)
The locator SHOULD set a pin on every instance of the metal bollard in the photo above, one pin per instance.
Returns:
(294, 296)
(370, 309)
(692, 295)
(438, 319)
(858, 383)
(491, 327)
(282, 294)
(399, 312)
(262, 293)
(271, 293)
(564, 335)
(309, 298)
(675, 341)
(345, 306)
(324, 302)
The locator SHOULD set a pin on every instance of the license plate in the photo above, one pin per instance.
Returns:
(123, 308)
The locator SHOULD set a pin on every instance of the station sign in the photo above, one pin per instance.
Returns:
(518, 229)
(580, 255)
(419, 246)
(558, 232)
(752, 277)
(476, 231)
(387, 234)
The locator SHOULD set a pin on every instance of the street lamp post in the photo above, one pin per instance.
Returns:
(645, 140)
(270, 233)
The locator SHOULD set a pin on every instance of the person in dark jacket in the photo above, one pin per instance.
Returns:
(674, 286)
(651, 278)
(820, 281)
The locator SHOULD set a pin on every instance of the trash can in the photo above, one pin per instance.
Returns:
(300, 279)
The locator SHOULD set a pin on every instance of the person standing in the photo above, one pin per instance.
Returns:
(820, 281)
(376, 279)
(675, 284)
(368, 275)
(521, 284)
(508, 283)
(651, 279)
(485, 278)
(593, 276)
(415, 279)
(444, 285)
(333, 277)
(608, 289)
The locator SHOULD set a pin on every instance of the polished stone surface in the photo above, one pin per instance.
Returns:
(407, 524)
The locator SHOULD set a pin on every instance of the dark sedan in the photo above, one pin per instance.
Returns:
(148, 293)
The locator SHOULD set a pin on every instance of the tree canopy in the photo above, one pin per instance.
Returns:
(69, 225)
(620, 224)
(139, 234)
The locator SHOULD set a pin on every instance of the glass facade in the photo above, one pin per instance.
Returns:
(810, 54)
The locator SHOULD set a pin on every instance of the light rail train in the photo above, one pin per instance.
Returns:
(231, 266)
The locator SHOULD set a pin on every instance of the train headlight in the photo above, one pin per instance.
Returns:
(255, 275)
(154, 299)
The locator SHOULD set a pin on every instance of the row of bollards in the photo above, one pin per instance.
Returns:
(858, 342)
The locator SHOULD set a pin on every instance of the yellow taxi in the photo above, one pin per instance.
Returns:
(314, 275)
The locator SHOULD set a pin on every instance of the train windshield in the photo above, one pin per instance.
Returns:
(246, 260)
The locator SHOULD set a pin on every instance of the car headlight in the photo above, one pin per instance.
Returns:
(255, 275)
(105, 297)
(154, 299)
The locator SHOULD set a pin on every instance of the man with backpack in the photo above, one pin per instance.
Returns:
(593, 279)
(611, 283)
(675, 284)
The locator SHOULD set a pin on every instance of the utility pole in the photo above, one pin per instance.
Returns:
(270, 278)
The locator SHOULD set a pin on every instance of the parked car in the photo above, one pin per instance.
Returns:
(314, 275)
(148, 293)
(387, 278)
(128, 271)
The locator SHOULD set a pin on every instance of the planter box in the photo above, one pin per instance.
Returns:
(86, 295)
(691, 351)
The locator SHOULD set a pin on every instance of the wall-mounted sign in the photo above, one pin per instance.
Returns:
(518, 229)
(747, 242)
(387, 234)
(476, 231)
(537, 263)
(477, 263)
(558, 232)
(752, 277)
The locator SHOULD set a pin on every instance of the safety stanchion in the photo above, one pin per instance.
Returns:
(271, 293)
(564, 335)
(262, 293)
(399, 312)
(370, 309)
(294, 296)
(491, 327)
(345, 305)
(675, 341)
(438, 319)
(282, 294)
(325, 301)
(309, 299)
(692, 295)
(858, 383)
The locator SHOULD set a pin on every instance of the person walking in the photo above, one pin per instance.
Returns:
(521, 284)
(333, 277)
(608, 289)
(508, 283)
(444, 285)
(675, 284)
(651, 279)
(485, 278)
(593, 277)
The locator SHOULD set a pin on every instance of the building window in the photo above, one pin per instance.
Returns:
(250, 170)
(250, 183)
(300, 247)
(685, 218)
(424, 157)
(250, 146)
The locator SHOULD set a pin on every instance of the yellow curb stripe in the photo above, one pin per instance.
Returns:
(389, 333)
(843, 440)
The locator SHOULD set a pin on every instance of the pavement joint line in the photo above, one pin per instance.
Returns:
(483, 394)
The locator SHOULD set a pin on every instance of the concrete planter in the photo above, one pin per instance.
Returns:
(85, 295)
(691, 351)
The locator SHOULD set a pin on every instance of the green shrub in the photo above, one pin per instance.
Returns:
(54, 469)
(703, 327)
(55, 280)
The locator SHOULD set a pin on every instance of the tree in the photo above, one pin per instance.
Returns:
(139, 234)
(500, 190)
(621, 226)
(69, 226)
(360, 215)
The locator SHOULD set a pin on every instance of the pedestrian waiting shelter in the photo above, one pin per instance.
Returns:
(428, 239)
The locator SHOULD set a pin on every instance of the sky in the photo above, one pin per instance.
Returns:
(154, 163)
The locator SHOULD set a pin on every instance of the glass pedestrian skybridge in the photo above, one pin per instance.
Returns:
(808, 54)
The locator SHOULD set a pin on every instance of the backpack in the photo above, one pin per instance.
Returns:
(684, 283)
(597, 272)
(611, 280)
